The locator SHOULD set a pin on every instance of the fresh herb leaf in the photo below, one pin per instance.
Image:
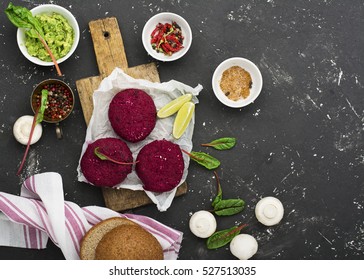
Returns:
(38, 118)
(21, 17)
(204, 159)
(43, 105)
(99, 154)
(218, 197)
(102, 156)
(226, 207)
(223, 237)
(225, 143)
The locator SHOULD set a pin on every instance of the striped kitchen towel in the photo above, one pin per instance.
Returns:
(40, 212)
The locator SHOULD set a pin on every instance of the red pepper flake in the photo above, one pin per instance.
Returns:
(167, 38)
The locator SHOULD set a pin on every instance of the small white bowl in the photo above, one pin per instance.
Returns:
(164, 18)
(48, 9)
(257, 81)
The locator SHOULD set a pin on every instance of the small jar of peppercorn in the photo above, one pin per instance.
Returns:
(60, 101)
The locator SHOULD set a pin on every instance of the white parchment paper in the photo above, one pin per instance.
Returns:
(161, 93)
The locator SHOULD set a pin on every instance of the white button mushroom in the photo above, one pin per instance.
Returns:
(203, 224)
(22, 128)
(243, 246)
(269, 211)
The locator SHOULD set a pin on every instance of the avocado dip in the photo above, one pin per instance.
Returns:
(58, 34)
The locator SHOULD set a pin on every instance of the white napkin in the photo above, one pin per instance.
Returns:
(41, 212)
(161, 93)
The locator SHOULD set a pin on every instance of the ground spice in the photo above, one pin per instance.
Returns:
(236, 83)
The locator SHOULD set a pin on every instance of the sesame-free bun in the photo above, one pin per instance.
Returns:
(119, 239)
(128, 242)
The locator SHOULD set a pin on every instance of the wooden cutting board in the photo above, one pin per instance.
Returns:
(110, 53)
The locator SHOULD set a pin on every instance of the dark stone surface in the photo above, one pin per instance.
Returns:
(301, 141)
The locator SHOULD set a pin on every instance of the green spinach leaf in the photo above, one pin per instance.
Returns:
(38, 118)
(223, 237)
(43, 105)
(224, 143)
(226, 207)
(102, 156)
(203, 159)
(21, 17)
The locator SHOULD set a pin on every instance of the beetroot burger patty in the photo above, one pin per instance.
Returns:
(104, 173)
(160, 166)
(132, 114)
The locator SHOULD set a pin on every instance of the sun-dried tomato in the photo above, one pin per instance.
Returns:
(167, 38)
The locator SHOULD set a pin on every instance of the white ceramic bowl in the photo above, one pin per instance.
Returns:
(164, 18)
(257, 81)
(48, 9)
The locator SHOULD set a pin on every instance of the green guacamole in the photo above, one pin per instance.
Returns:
(58, 34)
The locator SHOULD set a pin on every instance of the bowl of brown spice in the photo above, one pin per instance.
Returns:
(237, 82)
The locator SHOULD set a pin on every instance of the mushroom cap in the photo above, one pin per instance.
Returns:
(243, 246)
(269, 211)
(203, 224)
(22, 128)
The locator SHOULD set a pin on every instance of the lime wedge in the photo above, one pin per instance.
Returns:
(182, 119)
(173, 106)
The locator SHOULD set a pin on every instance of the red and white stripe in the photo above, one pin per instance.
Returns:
(43, 213)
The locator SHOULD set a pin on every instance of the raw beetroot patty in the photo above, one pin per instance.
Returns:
(132, 114)
(104, 173)
(160, 166)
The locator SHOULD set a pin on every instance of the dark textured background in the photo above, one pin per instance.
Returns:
(301, 141)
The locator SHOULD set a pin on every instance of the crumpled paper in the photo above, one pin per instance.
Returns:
(40, 212)
(162, 93)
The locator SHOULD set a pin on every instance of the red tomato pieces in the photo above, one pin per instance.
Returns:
(167, 38)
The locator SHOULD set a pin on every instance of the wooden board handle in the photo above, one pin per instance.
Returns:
(108, 45)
